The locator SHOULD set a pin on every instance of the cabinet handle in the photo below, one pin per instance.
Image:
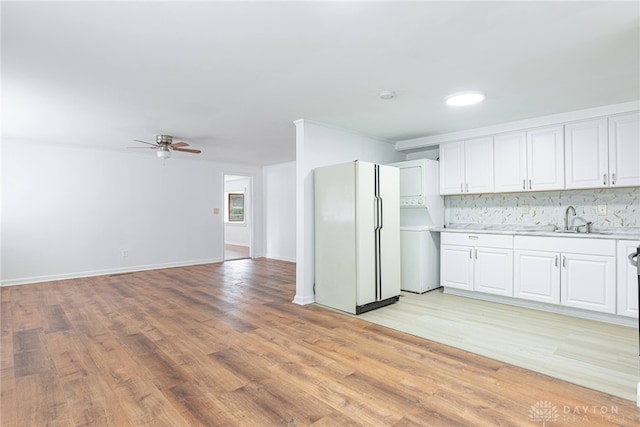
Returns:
(524, 185)
(613, 179)
(604, 179)
(529, 184)
(564, 262)
(470, 253)
(461, 190)
(476, 254)
(555, 262)
(467, 185)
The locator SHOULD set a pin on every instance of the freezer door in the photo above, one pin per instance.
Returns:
(389, 241)
(366, 211)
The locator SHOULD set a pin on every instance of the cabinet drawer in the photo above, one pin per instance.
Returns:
(574, 245)
(479, 239)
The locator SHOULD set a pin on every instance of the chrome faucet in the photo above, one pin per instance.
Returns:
(566, 217)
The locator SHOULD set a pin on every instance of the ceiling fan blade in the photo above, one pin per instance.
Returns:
(146, 148)
(145, 142)
(179, 144)
(187, 150)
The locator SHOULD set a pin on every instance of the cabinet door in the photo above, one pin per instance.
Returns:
(493, 271)
(452, 168)
(478, 162)
(588, 282)
(510, 162)
(627, 290)
(545, 159)
(456, 267)
(624, 150)
(586, 154)
(537, 276)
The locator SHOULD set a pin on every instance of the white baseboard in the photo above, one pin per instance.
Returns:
(304, 300)
(81, 274)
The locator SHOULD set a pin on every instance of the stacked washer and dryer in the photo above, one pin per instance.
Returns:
(421, 212)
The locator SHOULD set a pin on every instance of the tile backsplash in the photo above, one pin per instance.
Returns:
(622, 204)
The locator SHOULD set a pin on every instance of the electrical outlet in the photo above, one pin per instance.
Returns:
(125, 253)
(602, 210)
(525, 208)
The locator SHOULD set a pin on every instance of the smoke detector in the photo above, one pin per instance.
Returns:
(386, 94)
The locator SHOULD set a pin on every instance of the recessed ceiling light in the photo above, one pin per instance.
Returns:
(464, 98)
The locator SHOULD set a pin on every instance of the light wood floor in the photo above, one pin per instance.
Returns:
(222, 344)
(589, 353)
(235, 252)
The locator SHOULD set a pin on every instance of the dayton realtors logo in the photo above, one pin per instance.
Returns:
(543, 411)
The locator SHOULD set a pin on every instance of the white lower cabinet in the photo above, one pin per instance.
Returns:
(627, 279)
(493, 271)
(588, 282)
(477, 262)
(573, 272)
(536, 276)
(585, 273)
(456, 266)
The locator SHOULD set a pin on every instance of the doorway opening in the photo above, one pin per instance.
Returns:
(238, 216)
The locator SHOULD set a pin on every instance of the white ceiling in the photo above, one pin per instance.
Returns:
(231, 77)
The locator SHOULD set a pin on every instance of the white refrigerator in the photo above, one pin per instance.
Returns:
(357, 236)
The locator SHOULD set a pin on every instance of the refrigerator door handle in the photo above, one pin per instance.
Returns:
(375, 213)
(381, 210)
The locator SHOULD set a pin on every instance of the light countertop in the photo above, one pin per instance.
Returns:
(611, 233)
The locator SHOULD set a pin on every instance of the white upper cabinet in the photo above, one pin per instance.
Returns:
(529, 161)
(452, 168)
(603, 152)
(586, 154)
(624, 150)
(466, 167)
(594, 153)
(545, 159)
(510, 160)
(478, 162)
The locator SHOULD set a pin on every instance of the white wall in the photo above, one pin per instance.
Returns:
(239, 233)
(70, 212)
(320, 145)
(280, 211)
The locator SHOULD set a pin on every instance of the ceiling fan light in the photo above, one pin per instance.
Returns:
(163, 153)
(464, 98)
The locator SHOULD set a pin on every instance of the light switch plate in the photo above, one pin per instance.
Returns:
(602, 210)
(216, 211)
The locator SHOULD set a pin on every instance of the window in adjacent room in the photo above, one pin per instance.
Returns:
(235, 206)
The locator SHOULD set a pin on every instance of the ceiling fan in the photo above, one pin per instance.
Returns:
(164, 145)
